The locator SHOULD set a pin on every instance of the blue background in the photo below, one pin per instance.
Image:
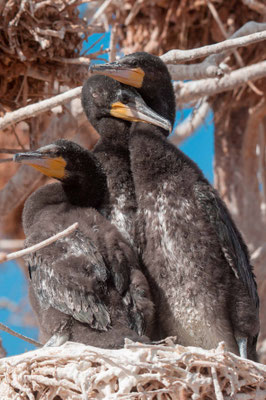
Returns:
(200, 147)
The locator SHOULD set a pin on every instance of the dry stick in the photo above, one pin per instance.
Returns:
(236, 53)
(217, 389)
(113, 40)
(100, 10)
(38, 246)
(38, 108)
(191, 123)
(18, 335)
(176, 56)
(189, 91)
(255, 5)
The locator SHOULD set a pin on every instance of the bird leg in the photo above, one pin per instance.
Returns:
(242, 343)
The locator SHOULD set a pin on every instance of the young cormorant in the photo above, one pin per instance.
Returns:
(85, 287)
(203, 284)
(111, 108)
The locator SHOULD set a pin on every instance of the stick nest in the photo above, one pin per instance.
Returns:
(162, 25)
(37, 37)
(138, 371)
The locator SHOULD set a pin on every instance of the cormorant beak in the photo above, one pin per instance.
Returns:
(136, 110)
(116, 70)
(48, 164)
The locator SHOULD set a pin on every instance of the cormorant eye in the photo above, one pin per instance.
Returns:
(125, 98)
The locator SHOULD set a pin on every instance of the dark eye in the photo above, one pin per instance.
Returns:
(125, 98)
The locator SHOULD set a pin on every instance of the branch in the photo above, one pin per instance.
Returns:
(177, 56)
(38, 108)
(191, 123)
(19, 335)
(189, 91)
(38, 246)
(255, 5)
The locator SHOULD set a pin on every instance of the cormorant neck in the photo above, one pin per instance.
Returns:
(114, 132)
(87, 188)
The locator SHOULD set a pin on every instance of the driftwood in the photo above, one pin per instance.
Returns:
(138, 371)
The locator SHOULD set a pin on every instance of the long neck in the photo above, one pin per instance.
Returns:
(87, 188)
(113, 154)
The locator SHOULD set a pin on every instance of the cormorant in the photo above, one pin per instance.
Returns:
(85, 287)
(111, 109)
(198, 264)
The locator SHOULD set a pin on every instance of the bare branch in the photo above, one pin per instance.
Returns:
(38, 246)
(177, 56)
(38, 108)
(180, 72)
(189, 91)
(236, 53)
(113, 41)
(255, 5)
(100, 10)
(191, 123)
(18, 335)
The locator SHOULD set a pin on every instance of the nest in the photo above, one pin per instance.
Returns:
(38, 39)
(162, 25)
(138, 371)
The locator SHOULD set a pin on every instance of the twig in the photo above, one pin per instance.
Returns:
(177, 56)
(18, 335)
(191, 123)
(236, 53)
(255, 5)
(44, 243)
(38, 108)
(100, 10)
(217, 389)
(189, 91)
(113, 40)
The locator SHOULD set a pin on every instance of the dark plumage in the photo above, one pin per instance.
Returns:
(103, 100)
(85, 287)
(197, 262)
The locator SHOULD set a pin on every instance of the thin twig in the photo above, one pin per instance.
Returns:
(38, 246)
(18, 335)
(100, 10)
(113, 41)
(217, 389)
(236, 53)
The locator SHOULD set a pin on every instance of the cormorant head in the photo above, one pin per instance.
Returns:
(63, 160)
(149, 75)
(105, 97)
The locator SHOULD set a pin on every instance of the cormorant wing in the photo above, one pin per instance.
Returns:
(70, 276)
(232, 244)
